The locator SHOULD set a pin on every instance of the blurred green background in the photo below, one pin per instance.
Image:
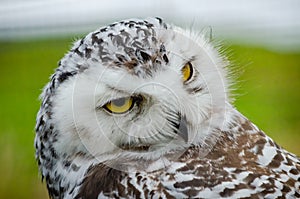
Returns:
(267, 93)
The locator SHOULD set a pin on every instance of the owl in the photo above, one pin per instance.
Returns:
(142, 109)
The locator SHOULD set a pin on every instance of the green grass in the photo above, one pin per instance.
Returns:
(268, 94)
(25, 68)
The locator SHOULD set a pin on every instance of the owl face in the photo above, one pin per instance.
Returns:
(138, 87)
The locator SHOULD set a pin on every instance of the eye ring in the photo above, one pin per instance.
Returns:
(123, 105)
(187, 72)
(120, 105)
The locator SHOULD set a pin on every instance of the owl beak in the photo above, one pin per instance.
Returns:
(183, 130)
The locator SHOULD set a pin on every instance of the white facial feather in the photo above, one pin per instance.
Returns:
(88, 127)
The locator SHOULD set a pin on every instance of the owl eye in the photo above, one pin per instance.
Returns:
(187, 72)
(120, 105)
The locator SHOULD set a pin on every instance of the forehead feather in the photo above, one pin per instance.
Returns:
(133, 44)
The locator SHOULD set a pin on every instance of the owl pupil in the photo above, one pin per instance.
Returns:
(119, 102)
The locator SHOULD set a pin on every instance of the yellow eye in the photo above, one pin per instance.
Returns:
(187, 71)
(120, 105)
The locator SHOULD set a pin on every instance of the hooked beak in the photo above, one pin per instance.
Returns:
(182, 129)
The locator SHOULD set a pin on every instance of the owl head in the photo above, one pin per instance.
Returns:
(136, 87)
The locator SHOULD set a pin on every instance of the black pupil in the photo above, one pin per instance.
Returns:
(119, 102)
